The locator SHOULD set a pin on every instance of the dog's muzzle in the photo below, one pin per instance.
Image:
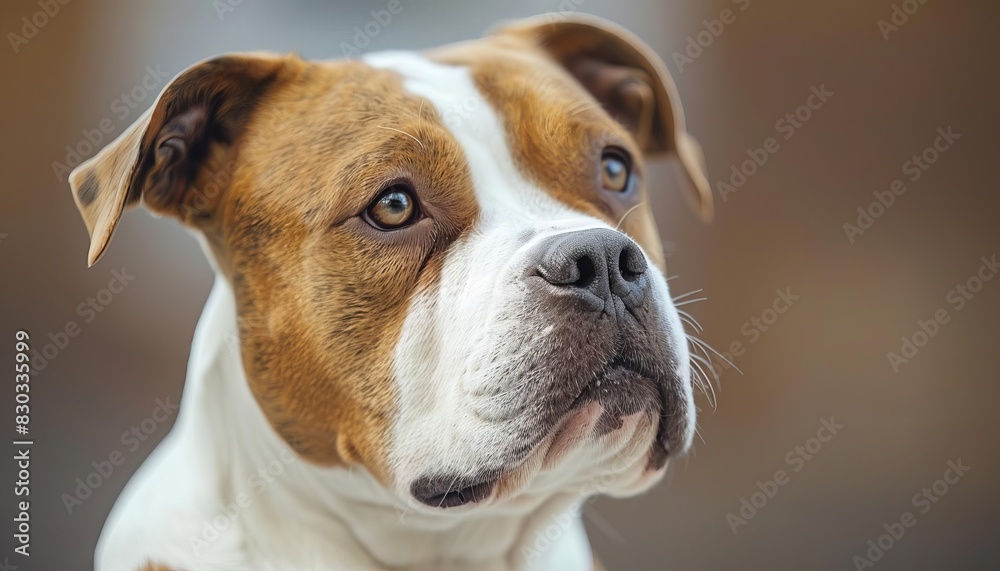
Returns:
(591, 326)
(605, 277)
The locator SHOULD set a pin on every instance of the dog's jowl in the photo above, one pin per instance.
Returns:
(448, 291)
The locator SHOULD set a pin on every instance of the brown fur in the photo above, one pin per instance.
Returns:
(321, 295)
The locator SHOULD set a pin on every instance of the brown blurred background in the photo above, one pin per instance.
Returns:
(783, 229)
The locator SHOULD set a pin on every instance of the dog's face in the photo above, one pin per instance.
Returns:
(445, 265)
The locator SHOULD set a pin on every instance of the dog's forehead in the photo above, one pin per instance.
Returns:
(529, 133)
(510, 119)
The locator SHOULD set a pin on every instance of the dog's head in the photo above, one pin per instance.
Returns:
(445, 265)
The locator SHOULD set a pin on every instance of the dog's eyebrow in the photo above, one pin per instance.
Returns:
(403, 132)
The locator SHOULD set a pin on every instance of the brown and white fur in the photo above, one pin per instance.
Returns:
(434, 396)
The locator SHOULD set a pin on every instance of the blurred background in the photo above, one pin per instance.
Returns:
(892, 72)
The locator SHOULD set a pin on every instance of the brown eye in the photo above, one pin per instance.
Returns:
(614, 171)
(394, 208)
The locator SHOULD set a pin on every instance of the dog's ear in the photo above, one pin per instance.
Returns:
(193, 127)
(629, 80)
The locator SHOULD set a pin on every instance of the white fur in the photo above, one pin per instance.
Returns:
(306, 518)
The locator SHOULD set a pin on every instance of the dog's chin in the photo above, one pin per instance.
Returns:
(610, 440)
(571, 461)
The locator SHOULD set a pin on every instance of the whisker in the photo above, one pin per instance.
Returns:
(711, 369)
(683, 295)
(687, 301)
(687, 321)
(697, 431)
(704, 386)
(699, 376)
(715, 373)
(710, 348)
(696, 346)
(450, 486)
(698, 380)
(627, 212)
(405, 133)
(685, 315)
(711, 399)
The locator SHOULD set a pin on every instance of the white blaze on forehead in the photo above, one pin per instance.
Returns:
(499, 185)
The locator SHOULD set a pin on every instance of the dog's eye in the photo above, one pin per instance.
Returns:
(392, 209)
(615, 173)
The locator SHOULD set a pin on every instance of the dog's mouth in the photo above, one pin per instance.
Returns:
(622, 388)
(446, 491)
(618, 394)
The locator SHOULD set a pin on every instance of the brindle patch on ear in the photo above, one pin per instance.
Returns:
(87, 193)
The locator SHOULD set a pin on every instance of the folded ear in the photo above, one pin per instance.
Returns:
(194, 125)
(630, 81)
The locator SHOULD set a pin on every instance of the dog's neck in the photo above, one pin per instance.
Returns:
(296, 515)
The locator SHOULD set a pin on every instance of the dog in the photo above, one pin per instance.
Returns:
(440, 320)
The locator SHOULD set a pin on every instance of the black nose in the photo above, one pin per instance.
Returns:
(599, 266)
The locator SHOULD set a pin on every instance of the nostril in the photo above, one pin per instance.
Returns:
(599, 261)
(631, 264)
(586, 270)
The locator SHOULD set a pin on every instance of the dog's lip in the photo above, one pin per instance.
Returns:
(659, 400)
(606, 381)
(450, 491)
